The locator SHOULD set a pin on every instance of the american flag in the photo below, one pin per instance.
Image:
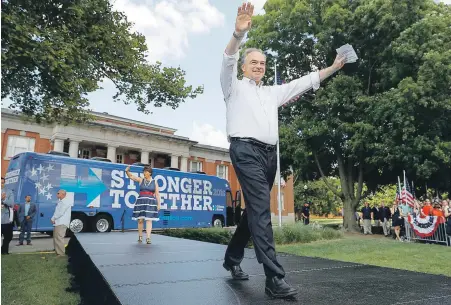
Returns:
(406, 194)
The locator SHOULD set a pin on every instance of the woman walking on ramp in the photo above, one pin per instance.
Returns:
(147, 205)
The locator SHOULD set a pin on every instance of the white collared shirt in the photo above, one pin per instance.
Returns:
(252, 110)
(62, 213)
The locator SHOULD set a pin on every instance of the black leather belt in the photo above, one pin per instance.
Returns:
(267, 147)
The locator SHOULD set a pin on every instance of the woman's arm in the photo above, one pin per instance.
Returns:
(131, 176)
(157, 195)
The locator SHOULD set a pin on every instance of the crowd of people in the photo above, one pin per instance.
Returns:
(396, 215)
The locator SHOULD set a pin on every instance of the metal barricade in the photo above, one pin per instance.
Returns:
(439, 236)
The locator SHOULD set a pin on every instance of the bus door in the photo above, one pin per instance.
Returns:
(233, 208)
(230, 209)
(237, 207)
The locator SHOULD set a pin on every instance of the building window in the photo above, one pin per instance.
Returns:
(222, 171)
(282, 199)
(119, 158)
(19, 144)
(85, 154)
(195, 166)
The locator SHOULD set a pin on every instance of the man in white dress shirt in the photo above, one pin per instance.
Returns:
(61, 221)
(252, 129)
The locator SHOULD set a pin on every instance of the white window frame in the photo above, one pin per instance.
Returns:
(282, 199)
(82, 153)
(199, 167)
(225, 171)
(13, 150)
(122, 158)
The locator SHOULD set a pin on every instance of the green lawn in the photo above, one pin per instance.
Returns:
(38, 279)
(379, 251)
(326, 221)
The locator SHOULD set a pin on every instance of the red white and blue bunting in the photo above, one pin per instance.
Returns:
(425, 227)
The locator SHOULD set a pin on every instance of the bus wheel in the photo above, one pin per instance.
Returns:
(217, 222)
(78, 223)
(103, 223)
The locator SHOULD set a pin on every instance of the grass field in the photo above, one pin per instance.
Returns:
(38, 279)
(327, 221)
(379, 251)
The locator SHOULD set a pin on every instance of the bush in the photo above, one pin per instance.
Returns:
(289, 234)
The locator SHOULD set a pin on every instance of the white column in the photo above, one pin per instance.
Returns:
(145, 157)
(58, 145)
(184, 164)
(111, 153)
(174, 161)
(73, 148)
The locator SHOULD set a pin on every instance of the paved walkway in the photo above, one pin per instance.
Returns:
(39, 243)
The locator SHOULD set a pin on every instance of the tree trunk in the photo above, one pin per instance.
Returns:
(350, 222)
(348, 195)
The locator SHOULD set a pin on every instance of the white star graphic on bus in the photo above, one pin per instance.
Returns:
(45, 177)
(50, 167)
(42, 191)
(49, 186)
(37, 185)
(40, 168)
(33, 172)
(49, 196)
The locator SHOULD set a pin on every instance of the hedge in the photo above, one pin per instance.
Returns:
(295, 233)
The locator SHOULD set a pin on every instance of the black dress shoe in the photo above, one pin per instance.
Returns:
(278, 288)
(236, 272)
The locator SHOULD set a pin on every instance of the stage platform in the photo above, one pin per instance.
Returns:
(112, 268)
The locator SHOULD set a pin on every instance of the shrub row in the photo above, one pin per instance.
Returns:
(211, 235)
(296, 233)
(299, 233)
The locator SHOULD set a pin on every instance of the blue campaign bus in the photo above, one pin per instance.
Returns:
(102, 196)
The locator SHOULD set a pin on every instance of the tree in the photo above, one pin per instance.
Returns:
(386, 194)
(369, 122)
(55, 52)
(324, 201)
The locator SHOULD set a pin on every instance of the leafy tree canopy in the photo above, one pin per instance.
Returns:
(388, 112)
(55, 52)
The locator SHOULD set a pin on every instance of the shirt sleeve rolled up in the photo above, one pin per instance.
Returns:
(228, 73)
(299, 86)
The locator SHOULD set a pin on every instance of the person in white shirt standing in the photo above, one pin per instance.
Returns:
(61, 221)
(252, 129)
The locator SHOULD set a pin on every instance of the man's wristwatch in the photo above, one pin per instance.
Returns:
(237, 36)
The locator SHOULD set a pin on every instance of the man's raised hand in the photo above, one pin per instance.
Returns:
(339, 62)
(244, 18)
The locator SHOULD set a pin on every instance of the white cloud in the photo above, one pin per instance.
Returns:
(167, 24)
(258, 6)
(208, 135)
(447, 1)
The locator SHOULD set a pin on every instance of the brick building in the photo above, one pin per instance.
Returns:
(127, 141)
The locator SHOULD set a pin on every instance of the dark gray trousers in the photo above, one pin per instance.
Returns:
(256, 170)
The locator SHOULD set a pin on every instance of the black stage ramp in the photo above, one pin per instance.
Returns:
(112, 268)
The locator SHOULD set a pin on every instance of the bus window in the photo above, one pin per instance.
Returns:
(12, 179)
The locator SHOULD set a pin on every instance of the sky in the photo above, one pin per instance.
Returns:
(191, 34)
